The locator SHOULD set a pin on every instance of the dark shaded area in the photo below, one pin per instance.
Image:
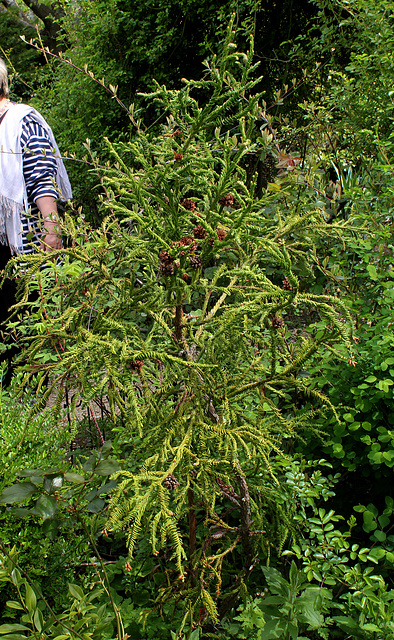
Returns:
(7, 299)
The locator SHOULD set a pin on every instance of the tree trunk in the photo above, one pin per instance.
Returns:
(49, 15)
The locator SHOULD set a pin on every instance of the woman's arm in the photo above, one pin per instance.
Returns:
(51, 238)
(39, 171)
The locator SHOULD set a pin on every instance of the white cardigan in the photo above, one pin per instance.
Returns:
(13, 196)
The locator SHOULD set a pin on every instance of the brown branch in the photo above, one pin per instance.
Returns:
(245, 516)
(192, 532)
(178, 322)
(246, 541)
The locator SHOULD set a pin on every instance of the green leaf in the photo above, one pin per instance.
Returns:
(38, 620)
(292, 629)
(147, 568)
(18, 492)
(27, 473)
(369, 626)
(13, 604)
(346, 622)
(389, 501)
(383, 520)
(377, 553)
(21, 512)
(375, 456)
(74, 477)
(360, 508)
(106, 449)
(159, 578)
(380, 535)
(46, 506)
(50, 528)
(10, 628)
(88, 465)
(31, 600)
(53, 482)
(107, 467)
(96, 505)
(368, 516)
(108, 486)
(75, 591)
(373, 274)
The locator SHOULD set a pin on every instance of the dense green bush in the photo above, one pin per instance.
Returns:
(179, 310)
(234, 307)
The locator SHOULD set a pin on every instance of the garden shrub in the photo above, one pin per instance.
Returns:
(179, 309)
(216, 317)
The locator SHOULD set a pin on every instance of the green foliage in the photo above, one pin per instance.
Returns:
(25, 442)
(294, 603)
(20, 60)
(176, 309)
(329, 558)
(334, 588)
(82, 619)
(129, 45)
(229, 319)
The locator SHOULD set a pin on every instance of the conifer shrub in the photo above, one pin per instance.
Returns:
(186, 309)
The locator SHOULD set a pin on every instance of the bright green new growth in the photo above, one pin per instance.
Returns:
(175, 309)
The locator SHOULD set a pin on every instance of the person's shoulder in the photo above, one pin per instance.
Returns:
(18, 114)
(33, 123)
(20, 109)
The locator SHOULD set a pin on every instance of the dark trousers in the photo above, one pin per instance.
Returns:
(7, 299)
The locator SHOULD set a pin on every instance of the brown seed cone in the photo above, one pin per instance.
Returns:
(166, 268)
(227, 200)
(165, 256)
(188, 204)
(199, 232)
(221, 234)
(286, 285)
(177, 156)
(186, 278)
(170, 482)
(135, 365)
(186, 241)
(277, 322)
(195, 262)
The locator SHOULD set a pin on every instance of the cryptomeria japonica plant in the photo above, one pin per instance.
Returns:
(178, 309)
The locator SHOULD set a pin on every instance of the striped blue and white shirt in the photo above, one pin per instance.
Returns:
(39, 171)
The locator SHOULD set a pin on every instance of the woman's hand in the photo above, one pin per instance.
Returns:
(51, 237)
(50, 240)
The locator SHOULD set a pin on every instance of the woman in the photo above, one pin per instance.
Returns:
(32, 179)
